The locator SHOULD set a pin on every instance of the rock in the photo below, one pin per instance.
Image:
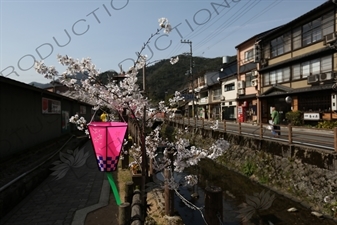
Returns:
(292, 209)
(317, 214)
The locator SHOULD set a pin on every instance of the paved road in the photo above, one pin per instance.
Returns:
(317, 138)
(66, 200)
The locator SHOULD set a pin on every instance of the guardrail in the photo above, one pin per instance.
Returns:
(311, 137)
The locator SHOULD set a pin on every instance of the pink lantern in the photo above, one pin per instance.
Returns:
(107, 140)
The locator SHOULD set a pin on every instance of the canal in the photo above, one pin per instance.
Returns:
(235, 187)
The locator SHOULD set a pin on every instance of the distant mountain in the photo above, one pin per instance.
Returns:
(164, 77)
(40, 85)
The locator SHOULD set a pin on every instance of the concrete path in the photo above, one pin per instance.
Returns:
(80, 189)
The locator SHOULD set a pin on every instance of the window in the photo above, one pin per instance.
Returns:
(204, 94)
(229, 87)
(249, 55)
(297, 38)
(312, 32)
(272, 77)
(276, 47)
(309, 33)
(277, 76)
(216, 94)
(305, 67)
(50, 106)
(296, 69)
(266, 51)
(326, 64)
(281, 45)
(285, 74)
(266, 79)
(249, 77)
(327, 23)
(287, 42)
(315, 66)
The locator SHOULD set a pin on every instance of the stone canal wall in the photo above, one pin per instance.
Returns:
(306, 175)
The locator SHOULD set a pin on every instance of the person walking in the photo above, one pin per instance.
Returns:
(275, 117)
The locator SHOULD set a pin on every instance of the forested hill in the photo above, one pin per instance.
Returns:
(164, 77)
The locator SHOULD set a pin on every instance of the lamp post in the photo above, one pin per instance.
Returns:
(191, 72)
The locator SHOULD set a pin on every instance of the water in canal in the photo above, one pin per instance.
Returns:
(235, 187)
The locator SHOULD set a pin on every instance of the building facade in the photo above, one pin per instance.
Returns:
(298, 63)
(292, 67)
(31, 116)
(228, 80)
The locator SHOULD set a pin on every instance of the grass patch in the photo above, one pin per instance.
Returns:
(123, 176)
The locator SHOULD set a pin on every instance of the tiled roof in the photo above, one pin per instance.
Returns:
(282, 90)
(259, 36)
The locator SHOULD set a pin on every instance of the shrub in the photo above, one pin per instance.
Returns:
(294, 117)
(248, 168)
(327, 124)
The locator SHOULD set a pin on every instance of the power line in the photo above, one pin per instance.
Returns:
(178, 47)
(239, 14)
(249, 20)
(243, 11)
(229, 22)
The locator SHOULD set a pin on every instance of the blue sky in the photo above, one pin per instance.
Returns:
(111, 32)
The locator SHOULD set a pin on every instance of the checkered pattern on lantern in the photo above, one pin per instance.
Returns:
(108, 164)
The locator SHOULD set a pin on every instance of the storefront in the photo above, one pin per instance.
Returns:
(247, 109)
(228, 110)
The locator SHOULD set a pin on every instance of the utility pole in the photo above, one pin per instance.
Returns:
(143, 149)
(191, 71)
(144, 79)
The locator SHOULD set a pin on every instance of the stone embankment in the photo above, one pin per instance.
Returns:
(306, 175)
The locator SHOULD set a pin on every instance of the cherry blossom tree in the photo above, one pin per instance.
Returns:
(126, 94)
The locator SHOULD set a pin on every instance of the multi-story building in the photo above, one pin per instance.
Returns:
(298, 66)
(228, 80)
(209, 96)
(201, 92)
(248, 85)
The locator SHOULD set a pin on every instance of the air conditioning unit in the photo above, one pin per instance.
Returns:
(241, 91)
(325, 76)
(312, 79)
(255, 73)
(329, 38)
(333, 101)
(254, 82)
(241, 84)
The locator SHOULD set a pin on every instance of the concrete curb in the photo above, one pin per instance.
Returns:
(81, 214)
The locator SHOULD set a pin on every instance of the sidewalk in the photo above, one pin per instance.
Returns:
(67, 198)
